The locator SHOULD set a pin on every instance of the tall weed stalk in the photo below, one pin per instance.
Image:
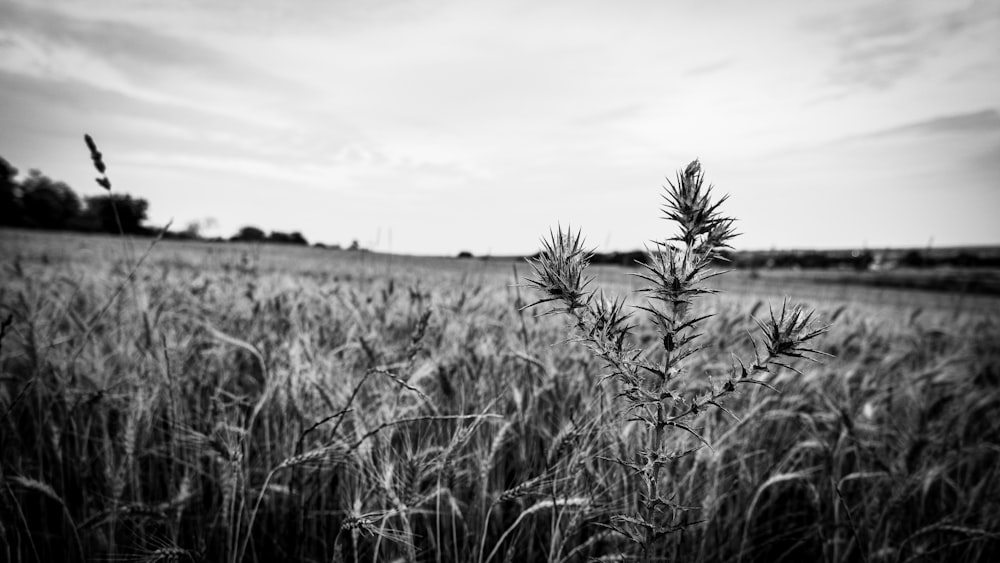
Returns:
(650, 379)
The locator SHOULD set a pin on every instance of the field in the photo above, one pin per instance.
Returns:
(201, 402)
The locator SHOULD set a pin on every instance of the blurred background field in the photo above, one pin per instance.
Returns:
(249, 402)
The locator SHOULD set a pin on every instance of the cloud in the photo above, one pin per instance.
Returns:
(612, 115)
(133, 57)
(929, 168)
(417, 113)
(988, 161)
(64, 105)
(710, 68)
(120, 41)
(987, 120)
(260, 17)
(879, 44)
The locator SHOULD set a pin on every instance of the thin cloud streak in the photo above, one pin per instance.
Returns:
(987, 120)
(709, 68)
(881, 43)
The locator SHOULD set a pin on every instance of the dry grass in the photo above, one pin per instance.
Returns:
(253, 404)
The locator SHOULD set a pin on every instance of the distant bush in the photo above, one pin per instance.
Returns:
(966, 260)
(249, 234)
(620, 258)
(862, 260)
(287, 238)
(913, 259)
(465, 254)
(806, 259)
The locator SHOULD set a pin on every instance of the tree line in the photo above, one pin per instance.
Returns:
(860, 260)
(39, 202)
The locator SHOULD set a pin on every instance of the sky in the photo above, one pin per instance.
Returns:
(444, 125)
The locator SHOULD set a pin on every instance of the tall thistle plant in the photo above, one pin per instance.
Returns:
(648, 377)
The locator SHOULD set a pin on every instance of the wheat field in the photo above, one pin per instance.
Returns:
(169, 401)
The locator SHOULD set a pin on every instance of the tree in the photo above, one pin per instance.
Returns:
(131, 213)
(10, 202)
(48, 204)
(249, 234)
